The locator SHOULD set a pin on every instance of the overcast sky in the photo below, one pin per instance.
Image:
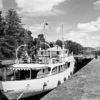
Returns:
(80, 18)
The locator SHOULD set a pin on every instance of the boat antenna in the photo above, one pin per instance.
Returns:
(45, 24)
(62, 36)
(62, 41)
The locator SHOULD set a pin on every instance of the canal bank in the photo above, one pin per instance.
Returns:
(84, 85)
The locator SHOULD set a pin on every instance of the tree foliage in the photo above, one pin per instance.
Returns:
(59, 43)
(12, 34)
(2, 25)
(72, 46)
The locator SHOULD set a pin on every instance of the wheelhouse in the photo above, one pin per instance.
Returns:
(52, 52)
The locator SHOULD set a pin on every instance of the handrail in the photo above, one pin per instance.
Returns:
(46, 44)
(18, 49)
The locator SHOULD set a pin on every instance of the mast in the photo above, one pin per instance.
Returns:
(44, 31)
(45, 24)
(62, 36)
(60, 30)
(62, 42)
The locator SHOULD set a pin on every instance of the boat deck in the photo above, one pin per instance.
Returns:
(84, 85)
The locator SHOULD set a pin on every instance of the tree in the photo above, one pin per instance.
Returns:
(40, 41)
(12, 30)
(59, 43)
(13, 23)
(73, 47)
(41, 38)
(51, 44)
(13, 34)
(2, 34)
(2, 25)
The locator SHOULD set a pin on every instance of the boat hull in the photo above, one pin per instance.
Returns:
(25, 88)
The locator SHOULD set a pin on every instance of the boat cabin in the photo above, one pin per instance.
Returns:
(28, 71)
(52, 52)
(56, 54)
(24, 72)
(50, 62)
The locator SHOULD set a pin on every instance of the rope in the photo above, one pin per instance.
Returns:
(22, 92)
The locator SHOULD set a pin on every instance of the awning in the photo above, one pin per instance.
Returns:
(28, 67)
(7, 62)
(12, 68)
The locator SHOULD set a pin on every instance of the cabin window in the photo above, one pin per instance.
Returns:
(66, 65)
(59, 68)
(17, 75)
(62, 67)
(43, 72)
(57, 52)
(24, 74)
(41, 53)
(34, 74)
(54, 70)
(47, 70)
(40, 73)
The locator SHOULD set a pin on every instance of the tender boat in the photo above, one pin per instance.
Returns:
(28, 77)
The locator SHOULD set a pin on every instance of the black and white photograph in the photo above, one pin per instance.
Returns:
(49, 49)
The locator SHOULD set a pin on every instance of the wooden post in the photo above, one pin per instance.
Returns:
(5, 75)
(19, 75)
(30, 73)
(14, 75)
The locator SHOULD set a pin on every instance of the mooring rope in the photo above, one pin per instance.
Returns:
(23, 92)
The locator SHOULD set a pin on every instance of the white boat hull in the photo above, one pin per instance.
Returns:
(25, 88)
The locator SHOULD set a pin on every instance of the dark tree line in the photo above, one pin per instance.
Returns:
(74, 47)
(12, 35)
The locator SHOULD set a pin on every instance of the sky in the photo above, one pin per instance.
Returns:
(80, 18)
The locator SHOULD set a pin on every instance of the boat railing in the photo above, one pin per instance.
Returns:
(39, 60)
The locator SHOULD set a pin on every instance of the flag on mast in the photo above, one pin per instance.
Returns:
(45, 24)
